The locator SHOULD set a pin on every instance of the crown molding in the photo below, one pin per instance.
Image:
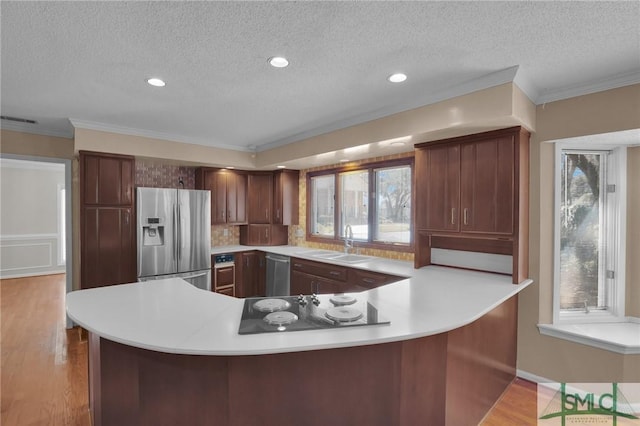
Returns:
(36, 129)
(11, 163)
(614, 82)
(130, 131)
(486, 81)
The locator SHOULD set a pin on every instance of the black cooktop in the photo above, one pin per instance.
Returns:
(296, 313)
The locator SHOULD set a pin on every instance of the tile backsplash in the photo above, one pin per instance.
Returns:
(218, 237)
(155, 174)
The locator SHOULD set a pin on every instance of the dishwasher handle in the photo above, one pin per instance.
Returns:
(278, 259)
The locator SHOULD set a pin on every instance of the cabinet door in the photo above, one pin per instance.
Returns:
(107, 179)
(487, 186)
(108, 247)
(285, 197)
(216, 182)
(259, 198)
(300, 283)
(247, 271)
(262, 273)
(236, 197)
(438, 174)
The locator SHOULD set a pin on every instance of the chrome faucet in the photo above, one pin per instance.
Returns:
(348, 238)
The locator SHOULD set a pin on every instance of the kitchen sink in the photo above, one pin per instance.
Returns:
(317, 253)
(350, 258)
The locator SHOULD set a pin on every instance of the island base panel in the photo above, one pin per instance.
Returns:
(450, 378)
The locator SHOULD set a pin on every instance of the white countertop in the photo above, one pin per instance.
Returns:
(175, 317)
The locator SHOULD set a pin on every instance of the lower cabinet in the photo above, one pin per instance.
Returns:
(309, 277)
(250, 274)
(302, 283)
(108, 248)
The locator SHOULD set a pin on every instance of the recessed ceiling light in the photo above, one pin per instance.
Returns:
(155, 82)
(397, 143)
(344, 160)
(278, 61)
(230, 167)
(281, 167)
(397, 78)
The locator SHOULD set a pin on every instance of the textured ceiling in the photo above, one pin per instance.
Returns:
(88, 61)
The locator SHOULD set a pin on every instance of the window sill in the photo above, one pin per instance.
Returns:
(619, 337)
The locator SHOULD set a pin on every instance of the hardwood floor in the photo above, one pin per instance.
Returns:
(44, 366)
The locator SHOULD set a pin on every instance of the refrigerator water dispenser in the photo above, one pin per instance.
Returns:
(153, 232)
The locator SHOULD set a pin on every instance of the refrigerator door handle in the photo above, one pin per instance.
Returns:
(179, 240)
(186, 277)
(175, 231)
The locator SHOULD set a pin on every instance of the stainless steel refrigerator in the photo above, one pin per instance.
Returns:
(174, 235)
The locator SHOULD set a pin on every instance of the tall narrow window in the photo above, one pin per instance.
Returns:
(590, 187)
(393, 196)
(582, 240)
(322, 205)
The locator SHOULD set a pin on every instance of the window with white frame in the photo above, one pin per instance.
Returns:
(374, 200)
(590, 200)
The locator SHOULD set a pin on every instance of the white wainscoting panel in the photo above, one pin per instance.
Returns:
(29, 255)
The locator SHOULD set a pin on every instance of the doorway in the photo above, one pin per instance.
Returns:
(32, 224)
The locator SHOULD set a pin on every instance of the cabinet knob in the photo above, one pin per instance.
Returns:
(334, 272)
(465, 216)
(453, 216)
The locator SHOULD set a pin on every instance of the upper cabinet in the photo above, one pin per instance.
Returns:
(260, 199)
(285, 197)
(472, 195)
(107, 179)
(273, 197)
(228, 194)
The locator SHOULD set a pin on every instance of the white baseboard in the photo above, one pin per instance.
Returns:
(33, 274)
(533, 377)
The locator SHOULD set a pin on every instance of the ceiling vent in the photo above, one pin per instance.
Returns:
(18, 119)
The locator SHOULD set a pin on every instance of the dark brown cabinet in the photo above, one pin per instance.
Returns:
(315, 277)
(107, 220)
(264, 235)
(272, 205)
(250, 274)
(358, 279)
(285, 197)
(228, 194)
(472, 194)
(308, 277)
(260, 198)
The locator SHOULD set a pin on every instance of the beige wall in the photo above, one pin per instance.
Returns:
(182, 153)
(633, 233)
(18, 143)
(556, 359)
(493, 108)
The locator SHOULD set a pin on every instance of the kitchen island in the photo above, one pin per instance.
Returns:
(165, 352)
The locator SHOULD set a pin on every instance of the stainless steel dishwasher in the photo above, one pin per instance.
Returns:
(277, 275)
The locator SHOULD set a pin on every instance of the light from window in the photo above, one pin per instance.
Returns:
(322, 205)
(374, 200)
(354, 203)
(582, 236)
(62, 233)
(393, 213)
